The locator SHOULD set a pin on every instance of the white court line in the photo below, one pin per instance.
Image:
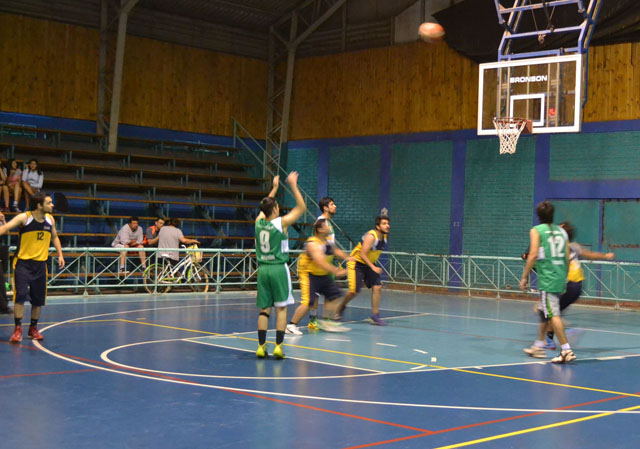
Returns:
(419, 367)
(387, 344)
(466, 317)
(276, 394)
(611, 358)
(326, 399)
(420, 351)
(336, 339)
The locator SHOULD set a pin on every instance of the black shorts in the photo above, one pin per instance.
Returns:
(357, 273)
(313, 285)
(571, 294)
(30, 282)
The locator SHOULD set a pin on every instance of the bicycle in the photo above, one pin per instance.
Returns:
(164, 276)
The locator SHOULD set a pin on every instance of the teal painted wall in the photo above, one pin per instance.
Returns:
(595, 156)
(421, 197)
(354, 184)
(498, 198)
(305, 162)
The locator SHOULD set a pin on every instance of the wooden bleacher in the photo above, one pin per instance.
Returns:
(187, 177)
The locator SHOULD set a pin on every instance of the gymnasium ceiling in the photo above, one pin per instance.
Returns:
(233, 26)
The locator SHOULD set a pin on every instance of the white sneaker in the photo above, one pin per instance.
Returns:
(292, 329)
(332, 326)
(535, 352)
(566, 355)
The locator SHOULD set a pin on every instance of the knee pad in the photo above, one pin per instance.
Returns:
(265, 314)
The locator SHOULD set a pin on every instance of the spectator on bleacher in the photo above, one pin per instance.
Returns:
(151, 235)
(14, 183)
(32, 179)
(170, 237)
(129, 236)
(4, 188)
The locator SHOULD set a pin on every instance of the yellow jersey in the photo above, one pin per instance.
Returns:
(576, 274)
(306, 263)
(34, 238)
(376, 248)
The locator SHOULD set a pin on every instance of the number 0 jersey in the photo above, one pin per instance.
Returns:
(34, 239)
(272, 244)
(551, 265)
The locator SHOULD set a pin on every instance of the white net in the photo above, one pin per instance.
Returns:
(509, 130)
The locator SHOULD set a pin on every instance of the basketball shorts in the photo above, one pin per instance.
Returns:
(357, 273)
(312, 285)
(549, 304)
(274, 286)
(30, 282)
(571, 294)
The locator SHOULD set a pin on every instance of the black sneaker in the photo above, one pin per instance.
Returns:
(15, 209)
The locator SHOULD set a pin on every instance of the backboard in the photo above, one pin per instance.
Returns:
(549, 91)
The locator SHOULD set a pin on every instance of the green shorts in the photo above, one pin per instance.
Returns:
(274, 286)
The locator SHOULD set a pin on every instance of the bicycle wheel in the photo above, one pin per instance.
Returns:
(198, 279)
(149, 276)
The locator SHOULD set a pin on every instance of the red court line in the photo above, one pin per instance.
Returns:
(48, 373)
(231, 390)
(495, 421)
(348, 415)
(16, 345)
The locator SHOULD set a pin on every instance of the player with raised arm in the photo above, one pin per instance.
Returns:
(37, 229)
(549, 252)
(272, 254)
(364, 269)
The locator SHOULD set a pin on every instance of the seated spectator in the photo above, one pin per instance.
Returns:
(129, 236)
(4, 188)
(14, 183)
(151, 234)
(32, 180)
(171, 236)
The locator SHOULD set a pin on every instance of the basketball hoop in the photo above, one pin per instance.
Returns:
(509, 130)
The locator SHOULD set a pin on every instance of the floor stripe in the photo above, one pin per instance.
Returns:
(484, 423)
(10, 376)
(534, 429)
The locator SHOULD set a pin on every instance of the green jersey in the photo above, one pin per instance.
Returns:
(551, 264)
(272, 244)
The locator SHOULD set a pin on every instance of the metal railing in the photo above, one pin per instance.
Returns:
(96, 270)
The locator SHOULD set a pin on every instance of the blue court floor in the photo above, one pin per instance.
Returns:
(179, 371)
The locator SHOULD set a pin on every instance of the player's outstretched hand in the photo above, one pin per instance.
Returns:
(524, 283)
(610, 256)
(377, 270)
(292, 178)
(276, 181)
(341, 272)
(61, 263)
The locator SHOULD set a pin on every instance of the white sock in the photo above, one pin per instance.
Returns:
(566, 347)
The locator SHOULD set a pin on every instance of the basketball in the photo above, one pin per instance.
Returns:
(431, 32)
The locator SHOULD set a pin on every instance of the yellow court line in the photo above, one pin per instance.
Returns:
(170, 327)
(370, 357)
(69, 322)
(286, 344)
(536, 429)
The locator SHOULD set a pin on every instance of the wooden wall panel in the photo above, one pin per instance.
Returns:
(50, 68)
(177, 87)
(399, 89)
(47, 68)
(417, 88)
(614, 83)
